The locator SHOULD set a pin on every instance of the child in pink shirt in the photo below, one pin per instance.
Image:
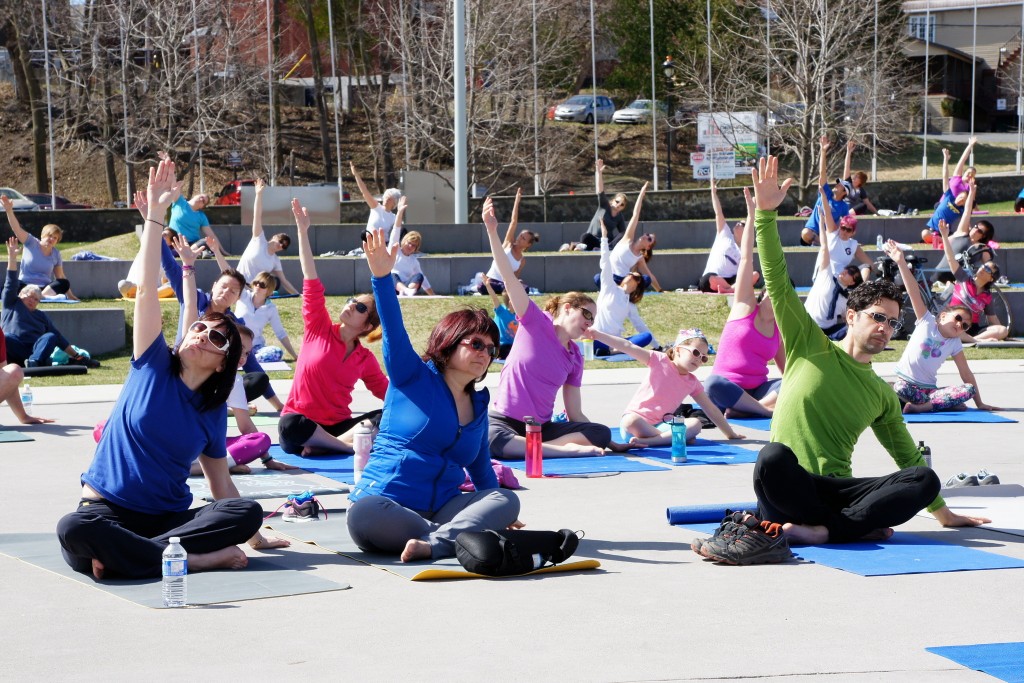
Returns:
(670, 381)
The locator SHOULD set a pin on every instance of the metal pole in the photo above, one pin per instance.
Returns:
(593, 77)
(459, 78)
(270, 96)
(1020, 89)
(199, 135)
(536, 112)
(49, 108)
(927, 45)
(874, 104)
(337, 94)
(974, 69)
(405, 92)
(654, 101)
(768, 75)
(124, 105)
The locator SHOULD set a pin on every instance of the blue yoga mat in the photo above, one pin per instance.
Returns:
(703, 452)
(760, 423)
(697, 514)
(904, 553)
(969, 415)
(1004, 661)
(590, 465)
(337, 466)
(617, 358)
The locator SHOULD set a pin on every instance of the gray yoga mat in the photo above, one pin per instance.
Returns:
(265, 577)
(1002, 503)
(271, 484)
(12, 437)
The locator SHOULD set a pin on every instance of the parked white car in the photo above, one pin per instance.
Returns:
(20, 201)
(581, 108)
(639, 111)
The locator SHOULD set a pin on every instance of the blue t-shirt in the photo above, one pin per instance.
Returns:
(839, 209)
(154, 433)
(186, 221)
(507, 324)
(37, 267)
(948, 211)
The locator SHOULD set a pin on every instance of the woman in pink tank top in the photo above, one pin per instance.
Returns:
(739, 383)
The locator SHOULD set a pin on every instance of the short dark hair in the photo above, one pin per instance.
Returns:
(236, 276)
(283, 239)
(214, 392)
(870, 293)
(452, 329)
(637, 295)
(988, 230)
(855, 273)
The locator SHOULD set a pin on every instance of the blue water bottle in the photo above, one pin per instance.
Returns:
(678, 440)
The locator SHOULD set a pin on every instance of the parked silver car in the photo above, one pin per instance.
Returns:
(639, 111)
(581, 108)
(20, 201)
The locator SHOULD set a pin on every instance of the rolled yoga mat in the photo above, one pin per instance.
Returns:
(713, 512)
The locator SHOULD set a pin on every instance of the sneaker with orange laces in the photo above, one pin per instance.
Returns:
(729, 527)
(762, 543)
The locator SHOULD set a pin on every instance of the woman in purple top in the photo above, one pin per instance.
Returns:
(739, 383)
(543, 360)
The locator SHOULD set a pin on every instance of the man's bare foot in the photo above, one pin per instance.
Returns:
(231, 557)
(805, 534)
(416, 549)
(909, 408)
(878, 535)
(98, 569)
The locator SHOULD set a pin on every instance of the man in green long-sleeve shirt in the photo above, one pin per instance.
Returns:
(803, 478)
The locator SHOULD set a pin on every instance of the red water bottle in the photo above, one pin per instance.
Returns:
(534, 449)
(936, 240)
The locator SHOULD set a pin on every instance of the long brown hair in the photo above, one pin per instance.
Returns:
(574, 299)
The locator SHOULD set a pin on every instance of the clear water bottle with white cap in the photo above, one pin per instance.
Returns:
(27, 398)
(175, 573)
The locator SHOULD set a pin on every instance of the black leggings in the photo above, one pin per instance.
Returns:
(130, 543)
(295, 429)
(849, 507)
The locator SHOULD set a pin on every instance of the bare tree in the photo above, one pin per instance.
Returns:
(816, 73)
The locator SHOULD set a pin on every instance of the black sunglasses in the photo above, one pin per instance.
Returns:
(360, 306)
(261, 285)
(587, 315)
(882, 319)
(478, 345)
(959, 320)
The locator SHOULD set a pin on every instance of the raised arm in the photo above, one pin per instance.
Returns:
(599, 176)
(513, 221)
(848, 163)
(214, 245)
(720, 223)
(744, 286)
(257, 208)
(516, 292)
(16, 228)
(161, 191)
(627, 236)
(947, 248)
(893, 251)
(190, 291)
(945, 170)
(830, 221)
(965, 220)
(396, 230)
(368, 197)
(305, 250)
(495, 301)
(959, 170)
(824, 264)
(619, 344)
(288, 286)
(823, 145)
(10, 294)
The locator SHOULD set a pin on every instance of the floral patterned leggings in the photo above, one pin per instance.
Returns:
(942, 399)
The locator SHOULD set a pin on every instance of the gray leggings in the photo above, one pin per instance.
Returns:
(379, 524)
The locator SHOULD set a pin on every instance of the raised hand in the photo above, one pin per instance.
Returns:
(301, 214)
(259, 186)
(850, 145)
(945, 154)
(403, 203)
(490, 220)
(7, 203)
(380, 259)
(768, 193)
(188, 257)
(141, 204)
(893, 251)
(12, 250)
(972, 141)
(749, 199)
(824, 142)
(212, 243)
(944, 228)
(163, 188)
(643, 191)
(600, 166)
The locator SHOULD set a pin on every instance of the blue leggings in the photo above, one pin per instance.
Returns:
(641, 340)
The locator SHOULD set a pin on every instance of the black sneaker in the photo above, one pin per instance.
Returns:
(762, 544)
(705, 421)
(86, 361)
(730, 526)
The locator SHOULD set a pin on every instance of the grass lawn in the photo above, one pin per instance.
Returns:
(664, 313)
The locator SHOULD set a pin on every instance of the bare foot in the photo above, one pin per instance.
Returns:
(416, 549)
(878, 535)
(231, 557)
(616, 447)
(926, 407)
(98, 569)
(576, 448)
(805, 534)
(240, 469)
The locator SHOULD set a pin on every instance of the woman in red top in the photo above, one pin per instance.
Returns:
(317, 418)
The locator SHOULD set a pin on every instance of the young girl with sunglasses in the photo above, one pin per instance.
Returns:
(669, 381)
(933, 341)
(171, 410)
(433, 431)
(317, 417)
(257, 309)
(543, 359)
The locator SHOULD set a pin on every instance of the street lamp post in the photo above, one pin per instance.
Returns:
(668, 68)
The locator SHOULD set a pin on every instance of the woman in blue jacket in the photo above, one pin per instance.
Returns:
(434, 429)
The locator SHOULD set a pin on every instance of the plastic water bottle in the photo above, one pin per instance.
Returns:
(926, 453)
(362, 442)
(678, 440)
(880, 243)
(175, 571)
(26, 398)
(534, 449)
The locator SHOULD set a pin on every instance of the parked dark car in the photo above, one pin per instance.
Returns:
(43, 200)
